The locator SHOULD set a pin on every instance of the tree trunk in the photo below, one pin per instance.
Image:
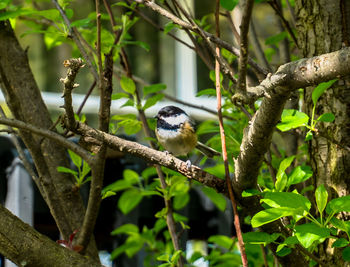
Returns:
(321, 29)
(26, 104)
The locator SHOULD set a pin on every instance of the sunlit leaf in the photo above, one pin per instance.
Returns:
(291, 119)
(127, 84)
(154, 88)
(129, 200)
(320, 89)
(321, 196)
(310, 232)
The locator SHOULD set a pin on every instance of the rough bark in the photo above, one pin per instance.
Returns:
(25, 102)
(321, 26)
(26, 247)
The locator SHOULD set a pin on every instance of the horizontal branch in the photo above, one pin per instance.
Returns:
(154, 156)
(136, 149)
(307, 71)
(51, 135)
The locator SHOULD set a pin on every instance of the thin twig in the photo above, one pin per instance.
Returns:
(223, 145)
(285, 23)
(155, 25)
(259, 52)
(73, 66)
(76, 39)
(243, 52)
(82, 104)
(197, 29)
(225, 67)
(97, 170)
(266, 263)
(20, 151)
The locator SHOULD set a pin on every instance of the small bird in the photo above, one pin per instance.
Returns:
(175, 132)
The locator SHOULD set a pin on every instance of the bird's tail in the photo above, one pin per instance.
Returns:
(208, 151)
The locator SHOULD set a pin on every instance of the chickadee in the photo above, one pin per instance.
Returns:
(175, 132)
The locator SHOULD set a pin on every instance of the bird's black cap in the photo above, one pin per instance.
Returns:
(168, 111)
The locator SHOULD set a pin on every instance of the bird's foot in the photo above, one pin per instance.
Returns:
(188, 164)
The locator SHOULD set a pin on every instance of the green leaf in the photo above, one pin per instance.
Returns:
(299, 175)
(340, 224)
(67, 170)
(77, 161)
(131, 176)
(154, 88)
(130, 126)
(213, 77)
(209, 92)
(228, 4)
(291, 240)
(117, 186)
(308, 233)
(222, 241)
(346, 254)
(13, 14)
(326, 117)
(320, 89)
(281, 177)
(284, 251)
(339, 204)
(127, 85)
(308, 136)
(164, 257)
(270, 215)
(340, 243)
(176, 256)
(138, 43)
(51, 14)
(286, 200)
(259, 237)
(169, 26)
(108, 194)
(119, 96)
(321, 196)
(129, 200)
(274, 40)
(128, 103)
(152, 101)
(85, 22)
(218, 199)
(251, 192)
(180, 201)
(4, 3)
(125, 229)
(291, 119)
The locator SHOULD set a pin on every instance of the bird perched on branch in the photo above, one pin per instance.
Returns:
(175, 132)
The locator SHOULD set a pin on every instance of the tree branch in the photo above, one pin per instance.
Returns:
(277, 88)
(154, 156)
(24, 246)
(243, 52)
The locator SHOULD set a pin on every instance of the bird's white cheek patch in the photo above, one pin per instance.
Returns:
(176, 120)
(168, 134)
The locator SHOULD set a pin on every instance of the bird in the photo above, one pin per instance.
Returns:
(175, 132)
